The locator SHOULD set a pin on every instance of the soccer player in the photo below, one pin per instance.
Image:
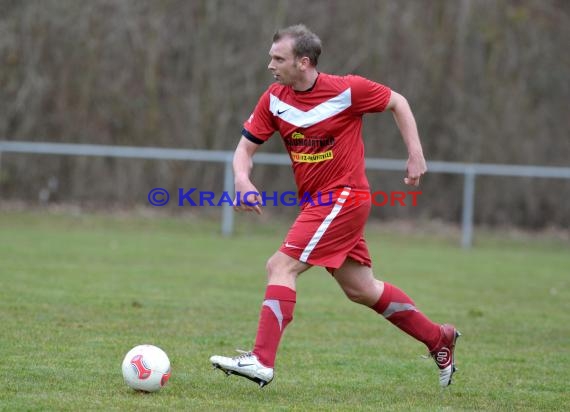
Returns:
(319, 117)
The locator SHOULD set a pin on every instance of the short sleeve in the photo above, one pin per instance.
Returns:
(368, 96)
(260, 125)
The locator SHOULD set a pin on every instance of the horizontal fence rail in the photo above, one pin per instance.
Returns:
(469, 170)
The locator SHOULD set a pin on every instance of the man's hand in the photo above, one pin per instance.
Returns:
(415, 168)
(248, 198)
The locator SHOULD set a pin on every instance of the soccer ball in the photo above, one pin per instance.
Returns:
(146, 368)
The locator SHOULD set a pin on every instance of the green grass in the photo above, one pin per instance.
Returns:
(76, 293)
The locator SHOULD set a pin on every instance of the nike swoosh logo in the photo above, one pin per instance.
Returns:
(281, 111)
(241, 365)
(292, 246)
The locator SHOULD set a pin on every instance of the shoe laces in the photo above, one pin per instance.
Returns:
(244, 354)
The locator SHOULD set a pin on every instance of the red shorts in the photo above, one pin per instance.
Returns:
(325, 235)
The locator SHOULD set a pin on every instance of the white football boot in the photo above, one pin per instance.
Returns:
(246, 365)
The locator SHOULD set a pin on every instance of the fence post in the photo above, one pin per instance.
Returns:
(468, 208)
(227, 210)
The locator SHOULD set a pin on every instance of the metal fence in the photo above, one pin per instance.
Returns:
(469, 170)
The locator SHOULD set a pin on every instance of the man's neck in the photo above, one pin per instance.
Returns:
(308, 82)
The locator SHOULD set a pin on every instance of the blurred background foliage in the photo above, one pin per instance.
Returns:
(488, 80)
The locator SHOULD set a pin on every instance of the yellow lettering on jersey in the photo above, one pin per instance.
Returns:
(312, 157)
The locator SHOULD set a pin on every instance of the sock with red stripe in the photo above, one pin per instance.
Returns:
(401, 311)
(276, 313)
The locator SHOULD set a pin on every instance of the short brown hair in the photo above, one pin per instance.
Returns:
(305, 42)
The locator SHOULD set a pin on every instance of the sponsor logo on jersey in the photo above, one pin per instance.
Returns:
(312, 157)
(299, 139)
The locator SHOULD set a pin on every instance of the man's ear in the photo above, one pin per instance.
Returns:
(304, 62)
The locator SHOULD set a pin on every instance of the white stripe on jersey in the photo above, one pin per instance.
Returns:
(300, 118)
(324, 225)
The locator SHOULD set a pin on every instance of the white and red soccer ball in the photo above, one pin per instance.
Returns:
(146, 368)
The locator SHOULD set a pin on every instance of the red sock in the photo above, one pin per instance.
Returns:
(399, 309)
(276, 313)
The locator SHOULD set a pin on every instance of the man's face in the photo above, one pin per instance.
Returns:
(283, 65)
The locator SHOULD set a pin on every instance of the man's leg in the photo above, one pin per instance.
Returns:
(276, 313)
(358, 283)
(278, 305)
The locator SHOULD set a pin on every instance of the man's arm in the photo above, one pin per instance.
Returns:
(416, 165)
(243, 164)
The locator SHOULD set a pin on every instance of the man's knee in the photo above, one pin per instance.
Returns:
(358, 296)
(366, 294)
(271, 266)
(281, 266)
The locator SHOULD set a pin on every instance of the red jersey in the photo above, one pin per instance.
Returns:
(321, 129)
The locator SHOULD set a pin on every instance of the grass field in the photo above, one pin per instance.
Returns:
(77, 292)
